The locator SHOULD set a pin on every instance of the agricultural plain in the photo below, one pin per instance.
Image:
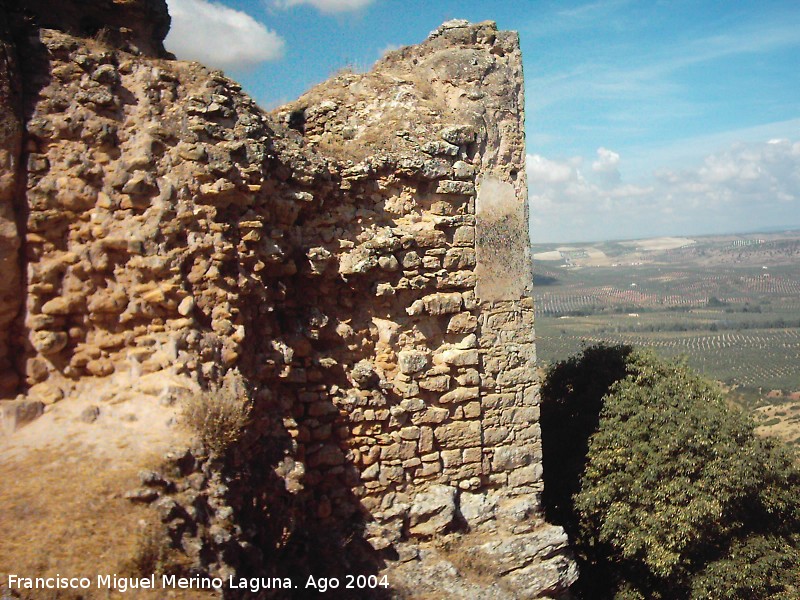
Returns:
(730, 305)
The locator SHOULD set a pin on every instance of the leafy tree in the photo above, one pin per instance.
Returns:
(678, 497)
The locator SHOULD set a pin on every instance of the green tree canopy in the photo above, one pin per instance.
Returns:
(679, 498)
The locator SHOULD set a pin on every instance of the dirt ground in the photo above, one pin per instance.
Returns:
(63, 478)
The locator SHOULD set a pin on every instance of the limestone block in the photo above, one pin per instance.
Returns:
(458, 134)
(410, 433)
(440, 148)
(457, 357)
(413, 404)
(186, 306)
(411, 260)
(436, 304)
(432, 511)
(494, 436)
(436, 383)
(451, 458)
(462, 170)
(360, 260)
(411, 361)
(460, 395)
(464, 236)
(435, 169)
(430, 468)
(507, 458)
(459, 434)
(108, 301)
(432, 414)
(460, 188)
(468, 341)
(60, 305)
(425, 443)
(497, 401)
(469, 377)
(391, 473)
(456, 280)
(472, 455)
(49, 342)
(525, 475)
(100, 367)
(388, 263)
(193, 152)
(477, 508)
(432, 263)
(462, 323)
(426, 236)
(459, 258)
(371, 472)
(472, 410)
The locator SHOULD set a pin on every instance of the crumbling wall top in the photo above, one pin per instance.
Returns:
(136, 26)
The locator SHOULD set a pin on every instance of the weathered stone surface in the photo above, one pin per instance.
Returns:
(411, 361)
(460, 395)
(462, 323)
(437, 304)
(133, 25)
(462, 188)
(324, 252)
(433, 511)
(459, 434)
(457, 357)
(477, 508)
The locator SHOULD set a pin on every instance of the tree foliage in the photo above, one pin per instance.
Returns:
(678, 498)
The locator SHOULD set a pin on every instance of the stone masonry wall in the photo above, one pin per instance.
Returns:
(359, 257)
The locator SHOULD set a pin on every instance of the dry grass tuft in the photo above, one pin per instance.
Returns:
(220, 416)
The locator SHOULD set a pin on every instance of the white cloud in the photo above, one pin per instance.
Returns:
(607, 165)
(541, 169)
(326, 6)
(749, 185)
(219, 36)
(607, 161)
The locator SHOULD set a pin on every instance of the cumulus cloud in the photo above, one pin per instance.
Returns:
(542, 169)
(743, 187)
(607, 161)
(607, 165)
(326, 6)
(219, 36)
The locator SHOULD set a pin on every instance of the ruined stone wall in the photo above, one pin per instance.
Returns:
(359, 257)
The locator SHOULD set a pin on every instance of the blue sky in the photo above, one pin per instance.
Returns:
(643, 118)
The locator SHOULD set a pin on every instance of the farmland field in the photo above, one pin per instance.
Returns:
(730, 305)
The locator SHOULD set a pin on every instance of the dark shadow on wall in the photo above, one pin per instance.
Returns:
(292, 481)
(27, 72)
(572, 398)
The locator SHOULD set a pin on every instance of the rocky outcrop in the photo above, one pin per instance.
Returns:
(135, 26)
(358, 259)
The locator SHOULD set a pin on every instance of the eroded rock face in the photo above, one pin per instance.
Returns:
(136, 26)
(332, 253)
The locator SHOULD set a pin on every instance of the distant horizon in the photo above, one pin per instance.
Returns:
(766, 230)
